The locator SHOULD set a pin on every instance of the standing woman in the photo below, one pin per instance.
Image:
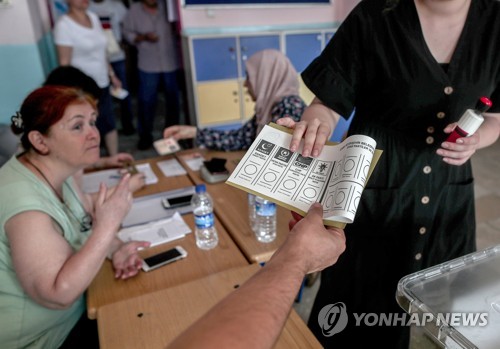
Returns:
(410, 68)
(273, 84)
(53, 238)
(81, 42)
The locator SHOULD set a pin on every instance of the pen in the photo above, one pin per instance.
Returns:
(130, 167)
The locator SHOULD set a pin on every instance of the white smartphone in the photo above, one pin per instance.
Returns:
(163, 258)
(179, 201)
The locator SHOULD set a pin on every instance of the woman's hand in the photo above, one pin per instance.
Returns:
(316, 126)
(118, 160)
(180, 132)
(137, 181)
(126, 259)
(110, 210)
(458, 153)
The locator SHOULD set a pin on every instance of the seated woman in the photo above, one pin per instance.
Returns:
(53, 238)
(73, 77)
(273, 84)
(70, 76)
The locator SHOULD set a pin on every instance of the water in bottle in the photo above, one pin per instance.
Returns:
(205, 233)
(251, 211)
(265, 220)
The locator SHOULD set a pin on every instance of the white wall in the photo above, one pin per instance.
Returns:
(210, 17)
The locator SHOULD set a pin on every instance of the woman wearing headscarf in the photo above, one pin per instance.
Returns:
(273, 84)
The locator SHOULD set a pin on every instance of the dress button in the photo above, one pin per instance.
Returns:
(418, 256)
(448, 90)
(441, 115)
(425, 200)
(422, 230)
(427, 169)
(429, 140)
(430, 129)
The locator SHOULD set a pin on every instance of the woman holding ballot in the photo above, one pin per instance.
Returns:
(410, 68)
(273, 84)
(53, 238)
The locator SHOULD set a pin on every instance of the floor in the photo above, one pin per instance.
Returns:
(486, 166)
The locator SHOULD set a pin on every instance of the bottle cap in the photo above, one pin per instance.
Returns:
(470, 122)
(200, 188)
(483, 104)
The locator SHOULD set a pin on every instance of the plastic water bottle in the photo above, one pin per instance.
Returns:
(265, 220)
(205, 233)
(251, 211)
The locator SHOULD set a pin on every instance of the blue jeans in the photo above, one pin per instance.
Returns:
(127, 117)
(149, 84)
(106, 120)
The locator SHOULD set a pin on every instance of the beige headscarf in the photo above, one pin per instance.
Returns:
(272, 77)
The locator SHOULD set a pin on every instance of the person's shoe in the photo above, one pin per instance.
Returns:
(144, 143)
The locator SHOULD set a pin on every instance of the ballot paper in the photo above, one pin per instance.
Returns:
(336, 178)
(119, 93)
(157, 232)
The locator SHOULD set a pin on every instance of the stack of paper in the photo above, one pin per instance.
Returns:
(158, 232)
(150, 208)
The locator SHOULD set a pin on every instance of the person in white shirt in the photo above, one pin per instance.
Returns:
(111, 14)
(81, 42)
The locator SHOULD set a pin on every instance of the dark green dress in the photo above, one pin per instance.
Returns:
(416, 211)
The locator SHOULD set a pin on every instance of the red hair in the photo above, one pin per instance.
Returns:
(45, 106)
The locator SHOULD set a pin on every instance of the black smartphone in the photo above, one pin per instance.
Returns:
(179, 201)
(163, 258)
(216, 166)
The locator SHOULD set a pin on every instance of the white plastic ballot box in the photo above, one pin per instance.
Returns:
(457, 302)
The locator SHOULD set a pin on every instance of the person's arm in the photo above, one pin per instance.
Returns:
(47, 267)
(226, 140)
(315, 126)
(115, 82)
(254, 315)
(460, 152)
(64, 54)
(125, 257)
(117, 160)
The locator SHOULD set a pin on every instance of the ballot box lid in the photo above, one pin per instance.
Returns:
(457, 302)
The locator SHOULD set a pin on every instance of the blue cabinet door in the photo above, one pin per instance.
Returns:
(215, 59)
(252, 44)
(301, 49)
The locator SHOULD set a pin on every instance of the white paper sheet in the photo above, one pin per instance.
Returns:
(149, 208)
(171, 168)
(158, 232)
(91, 181)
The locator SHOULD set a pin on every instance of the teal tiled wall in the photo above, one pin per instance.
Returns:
(22, 69)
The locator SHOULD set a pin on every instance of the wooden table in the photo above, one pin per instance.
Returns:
(231, 207)
(105, 289)
(155, 319)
